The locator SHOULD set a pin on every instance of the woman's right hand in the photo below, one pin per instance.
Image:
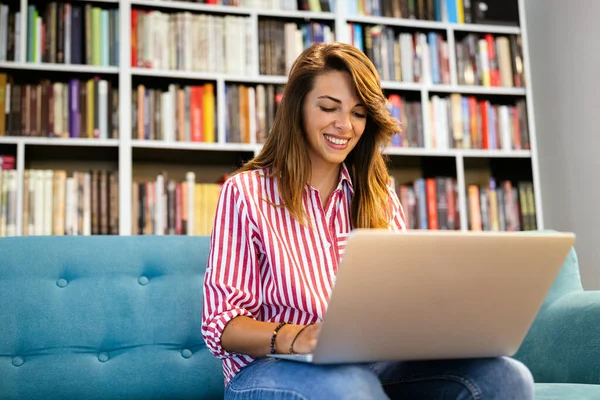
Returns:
(306, 341)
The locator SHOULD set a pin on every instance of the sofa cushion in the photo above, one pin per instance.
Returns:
(108, 317)
(566, 391)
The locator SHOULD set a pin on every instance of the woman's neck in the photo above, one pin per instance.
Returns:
(325, 179)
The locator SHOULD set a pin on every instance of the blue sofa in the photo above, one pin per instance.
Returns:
(119, 318)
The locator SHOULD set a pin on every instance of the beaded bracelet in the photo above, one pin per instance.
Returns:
(281, 325)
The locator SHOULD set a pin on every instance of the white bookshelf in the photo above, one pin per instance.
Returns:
(125, 74)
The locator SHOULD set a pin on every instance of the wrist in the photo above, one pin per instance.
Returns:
(285, 337)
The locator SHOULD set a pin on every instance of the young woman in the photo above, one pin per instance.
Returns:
(281, 225)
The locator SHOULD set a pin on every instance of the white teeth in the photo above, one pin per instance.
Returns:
(336, 140)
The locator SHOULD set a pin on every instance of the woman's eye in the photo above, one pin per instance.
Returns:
(359, 115)
(327, 109)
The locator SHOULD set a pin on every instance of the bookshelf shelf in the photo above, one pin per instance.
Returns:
(143, 160)
(75, 68)
(220, 9)
(495, 29)
(478, 90)
(208, 76)
(405, 23)
(188, 6)
(159, 144)
(40, 141)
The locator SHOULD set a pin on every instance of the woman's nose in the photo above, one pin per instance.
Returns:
(343, 123)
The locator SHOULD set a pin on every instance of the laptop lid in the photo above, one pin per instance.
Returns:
(420, 295)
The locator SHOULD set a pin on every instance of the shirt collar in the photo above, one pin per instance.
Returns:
(345, 178)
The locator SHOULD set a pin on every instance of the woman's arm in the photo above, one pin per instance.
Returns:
(249, 336)
(233, 288)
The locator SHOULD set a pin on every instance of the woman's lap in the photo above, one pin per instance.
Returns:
(496, 378)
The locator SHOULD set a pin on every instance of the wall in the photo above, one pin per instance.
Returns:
(565, 65)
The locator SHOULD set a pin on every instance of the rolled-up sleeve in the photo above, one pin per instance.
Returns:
(232, 279)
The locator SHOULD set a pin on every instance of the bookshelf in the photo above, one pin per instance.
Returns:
(136, 158)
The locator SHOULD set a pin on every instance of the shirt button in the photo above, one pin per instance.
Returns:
(327, 245)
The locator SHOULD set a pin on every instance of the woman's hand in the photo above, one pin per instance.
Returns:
(305, 342)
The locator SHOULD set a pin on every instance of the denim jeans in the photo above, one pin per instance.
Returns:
(489, 378)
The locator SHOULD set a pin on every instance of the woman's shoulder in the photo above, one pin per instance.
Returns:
(249, 181)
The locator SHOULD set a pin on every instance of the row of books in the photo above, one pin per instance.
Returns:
(455, 11)
(81, 203)
(180, 113)
(489, 60)
(430, 203)
(410, 115)
(73, 33)
(76, 109)
(501, 206)
(404, 57)
(257, 108)
(287, 5)
(10, 26)
(466, 122)
(280, 43)
(166, 206)
(192, 42)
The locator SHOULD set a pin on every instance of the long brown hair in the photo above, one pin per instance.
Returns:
(285, 151)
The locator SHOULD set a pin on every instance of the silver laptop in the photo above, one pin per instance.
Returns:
(423, 295)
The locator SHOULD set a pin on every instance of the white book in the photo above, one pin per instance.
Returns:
(60, 180)
(32, 202)
(291, 48)
(38, 221)
(159, 227)
(69, 205)
(87, 204)
(103, 108)
(11, 198)
(505, 131)
(48, 180)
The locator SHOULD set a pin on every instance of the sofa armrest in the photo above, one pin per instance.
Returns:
(563, 345)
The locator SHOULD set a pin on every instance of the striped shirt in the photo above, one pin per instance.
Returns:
(265, 265)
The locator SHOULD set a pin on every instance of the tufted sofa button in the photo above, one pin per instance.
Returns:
(17, 361)
(186, 353)
(62, 282)
(103, 357)
(142, 280)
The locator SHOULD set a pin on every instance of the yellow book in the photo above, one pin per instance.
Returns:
(209, 112)
(90, 108)
(460, 12)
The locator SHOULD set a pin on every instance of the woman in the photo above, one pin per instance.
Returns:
(281, 225)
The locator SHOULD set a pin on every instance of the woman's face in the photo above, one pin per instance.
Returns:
(334, 118)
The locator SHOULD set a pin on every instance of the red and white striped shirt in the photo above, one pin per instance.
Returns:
(265, 265)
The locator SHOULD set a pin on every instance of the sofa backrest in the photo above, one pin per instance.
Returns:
(104, 317)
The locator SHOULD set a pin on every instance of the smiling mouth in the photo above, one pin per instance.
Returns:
(335, 140)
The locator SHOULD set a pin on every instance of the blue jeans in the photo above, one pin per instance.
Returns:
(490, 378)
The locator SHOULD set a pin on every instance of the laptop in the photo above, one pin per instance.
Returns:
(430, 295)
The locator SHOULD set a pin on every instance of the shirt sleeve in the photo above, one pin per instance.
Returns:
(398, 220)
(231, 283)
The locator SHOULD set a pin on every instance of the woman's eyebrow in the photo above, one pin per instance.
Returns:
(325, 96)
